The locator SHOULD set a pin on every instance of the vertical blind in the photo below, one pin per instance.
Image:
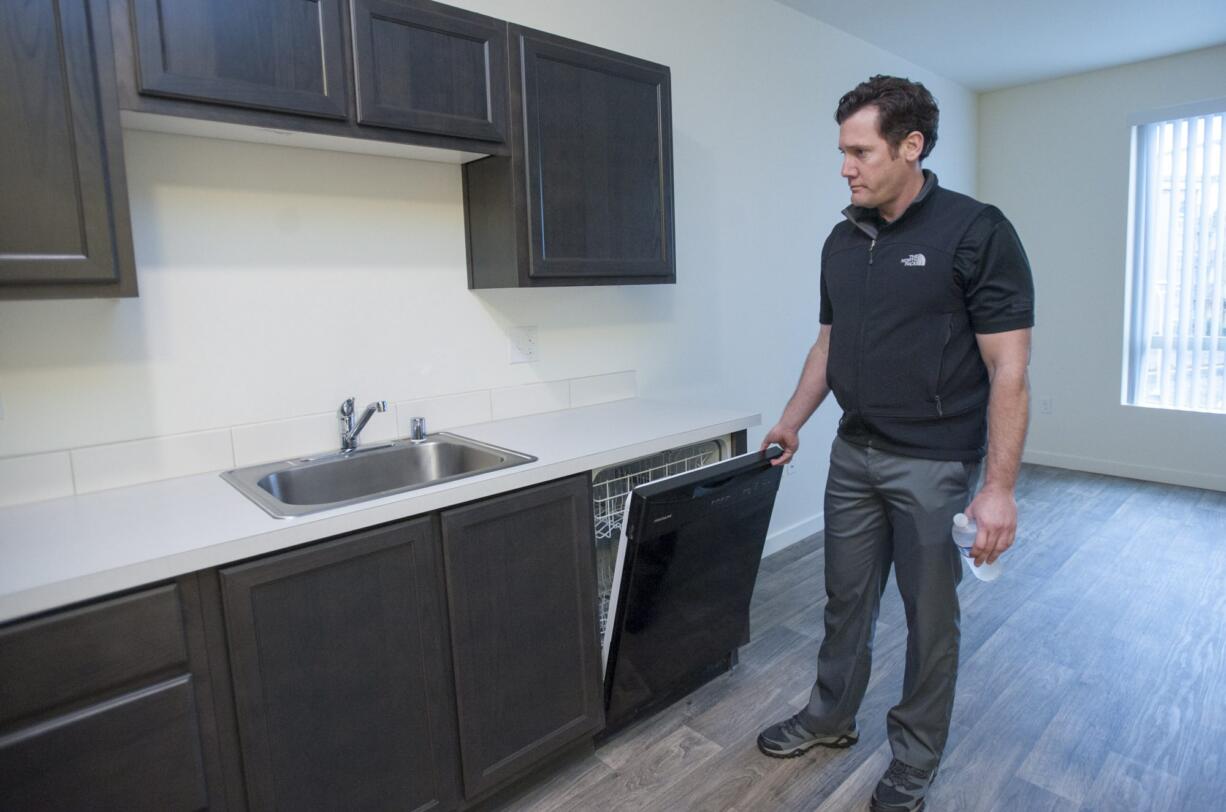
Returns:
(1177, 332)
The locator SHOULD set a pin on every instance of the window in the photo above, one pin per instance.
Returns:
(1176, 333)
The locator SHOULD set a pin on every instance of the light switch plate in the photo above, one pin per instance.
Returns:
(523, 345)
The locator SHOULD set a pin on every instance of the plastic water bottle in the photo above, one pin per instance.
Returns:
(964, 532)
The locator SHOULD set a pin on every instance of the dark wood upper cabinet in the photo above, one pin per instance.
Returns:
(599, 161)
(590, 177)
(281, 55)
(408, 72)
(427, 67)
(520, 595)
(64, 223)
(341, 674)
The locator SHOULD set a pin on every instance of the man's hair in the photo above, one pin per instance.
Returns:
(903, 107)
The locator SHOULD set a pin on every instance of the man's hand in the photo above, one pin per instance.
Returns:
(995, 512)
(786, 438)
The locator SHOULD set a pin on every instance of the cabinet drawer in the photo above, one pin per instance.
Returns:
(74, 655)
(138, 751)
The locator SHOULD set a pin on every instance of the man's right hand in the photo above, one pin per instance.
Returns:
(784, 437)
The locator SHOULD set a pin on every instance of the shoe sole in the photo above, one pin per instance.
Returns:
(875, 808)
(840, 743)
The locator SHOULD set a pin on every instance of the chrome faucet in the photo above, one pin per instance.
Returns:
(417, 429)
(350, 431)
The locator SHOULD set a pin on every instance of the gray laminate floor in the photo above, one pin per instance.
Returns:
(1093, 677)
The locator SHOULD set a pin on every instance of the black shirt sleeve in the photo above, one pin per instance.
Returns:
(995, 275)
(826, 315)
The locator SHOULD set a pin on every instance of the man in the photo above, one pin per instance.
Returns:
(926, 311)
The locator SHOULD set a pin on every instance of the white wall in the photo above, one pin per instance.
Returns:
(1055, 157)
(276, 281)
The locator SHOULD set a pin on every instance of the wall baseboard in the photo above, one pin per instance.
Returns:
(1149, 473)
(790, 535)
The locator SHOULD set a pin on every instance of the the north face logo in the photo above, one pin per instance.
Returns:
(915, 260)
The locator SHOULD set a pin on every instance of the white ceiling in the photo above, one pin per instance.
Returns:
(990, 44)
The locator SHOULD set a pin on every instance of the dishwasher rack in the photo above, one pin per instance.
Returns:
(612, 485)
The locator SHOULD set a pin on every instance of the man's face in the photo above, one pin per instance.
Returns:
(875, 175)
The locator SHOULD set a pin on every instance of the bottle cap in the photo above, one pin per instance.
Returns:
(960, 520)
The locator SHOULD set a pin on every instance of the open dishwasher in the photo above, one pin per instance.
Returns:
(679, 536)
(611, 487)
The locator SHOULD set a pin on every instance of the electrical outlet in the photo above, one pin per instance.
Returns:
(1045, 406)
(523, 345)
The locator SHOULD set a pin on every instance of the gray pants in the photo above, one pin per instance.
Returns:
(883, 508)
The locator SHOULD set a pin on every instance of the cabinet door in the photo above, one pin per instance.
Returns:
(520, 596)
(64, 225)
(598, 142)
(341, 677)
(271, 55)
(426, 67)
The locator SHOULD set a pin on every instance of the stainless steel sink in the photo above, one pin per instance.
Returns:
(301, 486)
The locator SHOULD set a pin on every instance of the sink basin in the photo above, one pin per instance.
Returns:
(301, 486)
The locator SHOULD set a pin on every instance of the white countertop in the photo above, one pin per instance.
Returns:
(61, 551)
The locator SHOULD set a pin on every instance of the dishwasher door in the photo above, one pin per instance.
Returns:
(688, 560)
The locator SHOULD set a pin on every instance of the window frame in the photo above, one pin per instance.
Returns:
(1137, 288)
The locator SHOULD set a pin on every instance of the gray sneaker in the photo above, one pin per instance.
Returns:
(902, 788)
(790, 738)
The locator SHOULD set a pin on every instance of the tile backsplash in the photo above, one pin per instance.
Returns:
(37, 477)
(34, 478)
(516, 401)
(100, 467)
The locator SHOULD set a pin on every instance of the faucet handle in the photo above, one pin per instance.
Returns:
(346, 409)
(417, 429)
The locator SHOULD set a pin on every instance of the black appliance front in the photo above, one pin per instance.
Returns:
(693, 543)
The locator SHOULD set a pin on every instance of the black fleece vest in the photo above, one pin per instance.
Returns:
(904, 364)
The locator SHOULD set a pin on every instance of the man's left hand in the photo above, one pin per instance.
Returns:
(995, 512)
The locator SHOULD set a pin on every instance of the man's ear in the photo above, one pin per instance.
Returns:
(912, 146)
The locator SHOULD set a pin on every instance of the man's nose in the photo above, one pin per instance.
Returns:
(847, 171)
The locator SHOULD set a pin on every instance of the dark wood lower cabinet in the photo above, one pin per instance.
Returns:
(421, 665)
(520, 595)
(101, 707)
(341, 674)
